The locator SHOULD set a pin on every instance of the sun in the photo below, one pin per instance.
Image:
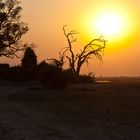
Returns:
(109, 24)
(117, 25)
(113, 25)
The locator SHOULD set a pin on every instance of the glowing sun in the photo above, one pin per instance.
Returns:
(116, 25)
(109, 24)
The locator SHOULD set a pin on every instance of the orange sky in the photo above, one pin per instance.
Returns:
(46, 19)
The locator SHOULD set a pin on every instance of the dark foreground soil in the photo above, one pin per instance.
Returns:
(101, 111)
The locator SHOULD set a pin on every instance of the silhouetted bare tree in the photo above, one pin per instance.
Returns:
(94, 48)
(11, 28)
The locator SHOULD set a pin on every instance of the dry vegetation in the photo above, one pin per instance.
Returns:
(107, 111)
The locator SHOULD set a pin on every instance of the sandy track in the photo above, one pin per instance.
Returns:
(102, 112)
(20, 123)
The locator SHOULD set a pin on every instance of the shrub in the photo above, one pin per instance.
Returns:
(29, 64)
(51, 76)
(72, 78)
(86, 78)
(29, 60)
(15, 74)
(4, 68)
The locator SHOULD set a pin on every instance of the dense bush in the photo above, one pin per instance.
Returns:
(15, 74)
(51, 76)
(72, 78)
(4, 68)
(86, 79)
(29, 60)
(27, 70)
(18, 73)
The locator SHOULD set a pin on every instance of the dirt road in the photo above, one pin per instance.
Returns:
(18, 122)
(83, 112)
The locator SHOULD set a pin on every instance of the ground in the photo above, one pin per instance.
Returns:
(101, 111)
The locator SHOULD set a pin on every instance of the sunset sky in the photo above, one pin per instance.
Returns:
(118, 21)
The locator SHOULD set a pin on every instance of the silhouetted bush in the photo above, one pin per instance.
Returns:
(41, 67)
(72, 78)
(4, 68)
(29, 60)
(27, 70)
(51, 76)
(15, 74)
(86, 79)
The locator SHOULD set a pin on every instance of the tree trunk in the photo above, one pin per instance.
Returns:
(78, 70)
